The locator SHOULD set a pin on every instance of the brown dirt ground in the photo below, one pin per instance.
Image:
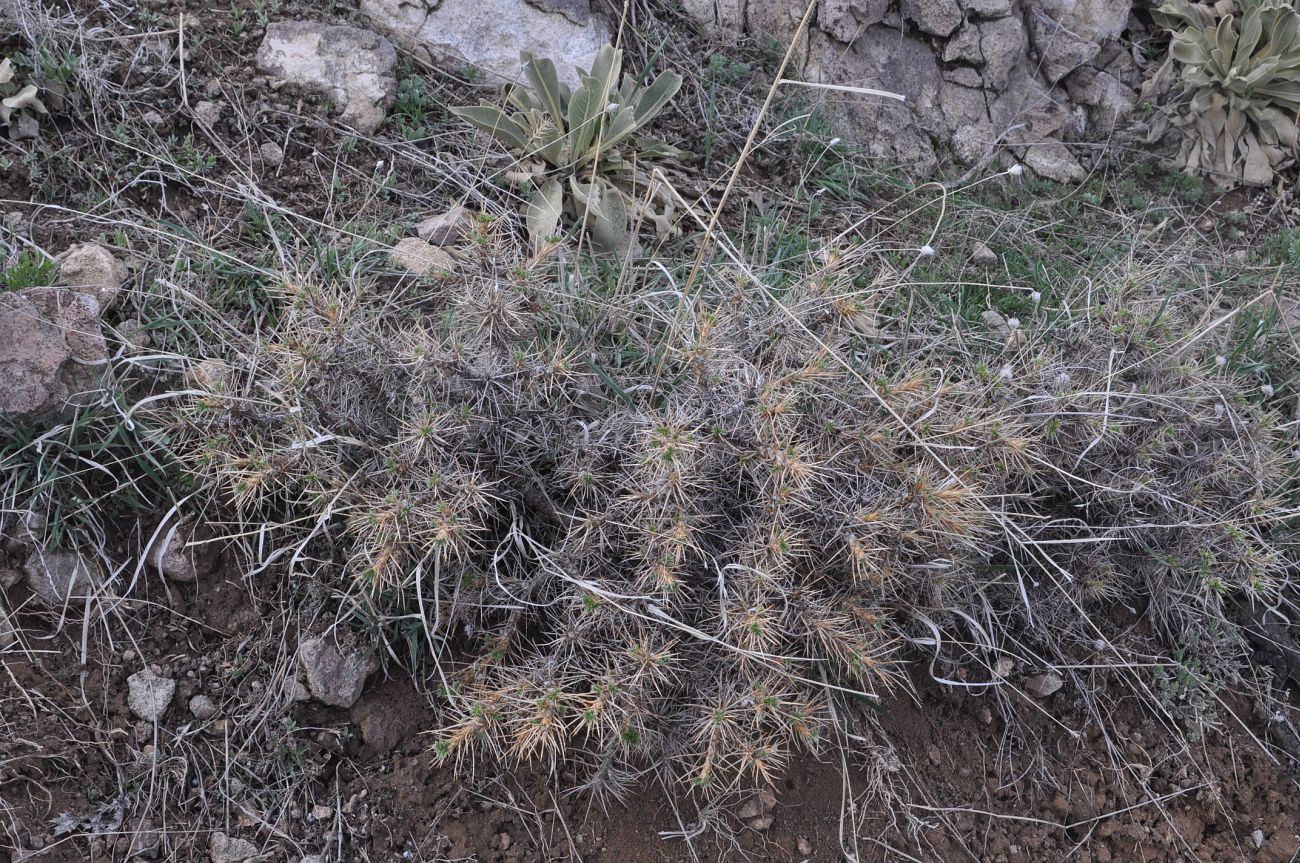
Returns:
(361, 785)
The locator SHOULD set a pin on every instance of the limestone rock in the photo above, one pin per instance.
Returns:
(271, 154)
(225, 849)
(202, 707)
(51, 349)
(1107, 98)
(447, 227)
(1043, 685)
(174, 556)
(964, 47)
(335, 678)
(846, 19)
(60, 577)
(1060, 50)
(718, 16)
(1003, 45)
(489, 34)
(882, 58)
(1093, 20)
(149, 695)
(207, 113)
(1052, 160)
(355, 68)
(89, 268)
(987, 8)
(760, 804)
(422, 258)
(936, 17)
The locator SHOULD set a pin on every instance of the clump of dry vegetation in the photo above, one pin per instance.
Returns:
(658, 529)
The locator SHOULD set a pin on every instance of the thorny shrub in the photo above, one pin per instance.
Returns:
(651, 530)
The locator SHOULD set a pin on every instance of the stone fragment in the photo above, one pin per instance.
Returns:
(421, 258)
(1043, 685)
(51, 350)
(149, 695)
(335, 678)
(89, 268)
(356, 69)
(490, 34)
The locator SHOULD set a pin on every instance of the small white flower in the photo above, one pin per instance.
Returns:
(1016, 170)
(927, 251)
(1267, 390)
(1220, 361)
(1014, 323)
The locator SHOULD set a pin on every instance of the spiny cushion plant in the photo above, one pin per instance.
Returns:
(644, 530)
(1240, 68)
(588, 139)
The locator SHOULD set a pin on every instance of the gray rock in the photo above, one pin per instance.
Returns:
(226, 849)
(421, 258)
(892, 132)
(51, 349)
(92, 269)
(1043, 685)
(1108, 99)
(987, 8)
(174, 556)
(356, 69)
(963, 106)
(60, 577)
(202, 707)
(207, 113)
(1003, 45)
(758, 805)
(963, 75)
(717, 16)
(846, 19)
(1093, 20)
(449, 227)
(489, 34)
(577, 11)
(1060, 50)
(1052, 160)
(981, 254)
(964, 47)
(149, 695)
(936, 17)
(334, 678)
(271, 154)
(9, 577)
(1027, 103)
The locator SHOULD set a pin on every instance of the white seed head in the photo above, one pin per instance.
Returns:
(1037, 297)
(1267, 390)
(611, 107)
(834, 142)
(1016, 170)
(927, 251)
(1014, 323)
(1005, 374)
(1220, 361)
